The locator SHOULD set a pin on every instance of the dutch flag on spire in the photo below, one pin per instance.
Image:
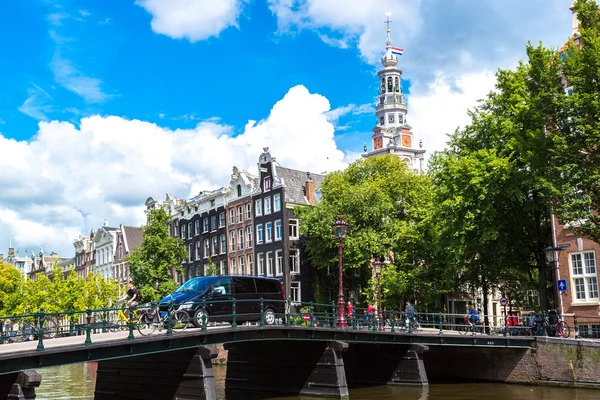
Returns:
(397, 51)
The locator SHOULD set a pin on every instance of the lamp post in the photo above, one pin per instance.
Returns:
(552, 255)
(340, 230)
(376, 266)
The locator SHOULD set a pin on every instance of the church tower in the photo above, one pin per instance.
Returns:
(392, 134)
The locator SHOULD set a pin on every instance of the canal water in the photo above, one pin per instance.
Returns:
(77, 382)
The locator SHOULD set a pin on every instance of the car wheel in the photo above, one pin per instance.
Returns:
(270, 316)
(199, 316)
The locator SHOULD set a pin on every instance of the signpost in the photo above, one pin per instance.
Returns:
(504, 302)
(562, 285)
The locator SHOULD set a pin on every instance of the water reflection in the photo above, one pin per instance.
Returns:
(77, 382)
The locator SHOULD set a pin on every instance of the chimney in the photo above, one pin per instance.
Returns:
(11, 252)
(310, 190)
(575, 20)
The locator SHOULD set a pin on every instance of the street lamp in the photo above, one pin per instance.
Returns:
(552, 257)
(340, 230)
(376, 266)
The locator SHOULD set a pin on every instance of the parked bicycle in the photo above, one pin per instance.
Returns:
(551, 324)
(29, 329)
(152, 319)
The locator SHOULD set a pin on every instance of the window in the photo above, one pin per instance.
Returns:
(249, 237)
(260, 260)
(223, 243)
(215, 245)
(258, 207)
(259, 234)
(221, 220)
(189, 230)
(232, 241)
(233, 266)
(397, 85)
(295, 292)
(270, 263)
(231, 216)
(240, 239)
(279, 262)
(267, 205)
(198, 250)
(239, 190)
(391, 118)
(212, 203)
(267, 183)
(196, 227)
(120, 252)
(278, 230)
(389, 84)
(223, 284)
(248, 211)
(294, 261)
(381, 120)
(583, 273)
(293, 228)
(205, 225)
(241, 265)
(206, 248)
(269, 229)
(213, 222)
(190, 252)
(223, 267)
(175, 229)
(240, 214)
(250, 264)
(276, 203)
(183, 231)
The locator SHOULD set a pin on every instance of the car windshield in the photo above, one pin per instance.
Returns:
(196, 285)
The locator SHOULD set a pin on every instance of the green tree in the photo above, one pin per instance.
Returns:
(11, 281)
(576, 128)
(97, 293)
(211, 267)
(384, 202)
(153, 263)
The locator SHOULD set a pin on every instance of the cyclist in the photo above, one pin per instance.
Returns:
(410, 313)
(134, 294)
(473, 315)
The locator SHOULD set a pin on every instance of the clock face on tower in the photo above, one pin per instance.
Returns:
(377, 143)
(405, 141)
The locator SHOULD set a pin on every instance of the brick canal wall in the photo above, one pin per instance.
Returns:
(553, 361)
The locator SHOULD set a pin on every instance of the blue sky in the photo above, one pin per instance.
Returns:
(104, 103)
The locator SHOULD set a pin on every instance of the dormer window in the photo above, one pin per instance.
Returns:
(239, 190)
(212, 203)
(267, 183)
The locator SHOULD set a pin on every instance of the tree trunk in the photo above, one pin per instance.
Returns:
(542, 283)
(484, 290)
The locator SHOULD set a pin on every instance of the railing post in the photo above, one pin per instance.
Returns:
(204, 318)
(41, 317)
(545, 323)
(505, 325)
(262, 312)
(392, 322)
(332, 321)
(575, 326)
(130, 324)
(312, 314)
(72, 323)
(441, 332)
(233, 308)
(88, 328)
(288, 318)
(409, 319)
(169, 318)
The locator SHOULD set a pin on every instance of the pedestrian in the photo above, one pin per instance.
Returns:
(350, 309)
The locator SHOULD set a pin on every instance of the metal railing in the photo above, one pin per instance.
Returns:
(42, 326)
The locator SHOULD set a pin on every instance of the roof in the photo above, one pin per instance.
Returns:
(133, 237)
(295, 183)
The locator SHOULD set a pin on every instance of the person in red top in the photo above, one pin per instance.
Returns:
(350, 309)
(370, 311)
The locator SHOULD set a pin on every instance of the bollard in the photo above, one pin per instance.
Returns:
(204, 317)
(441, 332)
(88, 328)
(262, 312)
(575, 326)
(233, 308)
(130, 323)
(41, 317)
(169, 318)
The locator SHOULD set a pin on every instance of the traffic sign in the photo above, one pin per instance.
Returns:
(503, 301)
(562, 284)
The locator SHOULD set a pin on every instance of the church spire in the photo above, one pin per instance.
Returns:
(388, 42)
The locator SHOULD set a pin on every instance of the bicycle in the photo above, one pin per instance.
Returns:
(470, 327)
(29, 329)
(119, 321)
(403, 323)
(152, 319)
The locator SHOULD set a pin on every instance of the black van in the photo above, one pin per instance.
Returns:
(205, 295)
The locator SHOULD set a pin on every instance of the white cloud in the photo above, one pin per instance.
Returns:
(38, 104)
(72, 78)
(192, 19)
(438, 108)
(67, 179)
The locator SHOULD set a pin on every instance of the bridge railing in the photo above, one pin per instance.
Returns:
(231, 312)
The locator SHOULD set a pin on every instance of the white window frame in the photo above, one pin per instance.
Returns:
(232, 241)
(589, 279)
(213, 223)
(190, 231)
(270, 265)
(198, 249)
(258, 207)
(260, 234)
(294, 261)
(232, 216)
(260, 262)
(240, 214)
(205, 225)
(222, 219)
(269, 232)
(250, 258)
(233, 263)
(206, 247)
(197, 227)
(277, 202)
(267, 183)
(240, 239)
(215, 245)
(278, 232)
(241, 264)
(223, 244)
(295, 292)
(248, 211)
(183, 231)
(268, 205)
(293, 227)
(222, 267)
(249, 236)
(279, 262)
(190, 253)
